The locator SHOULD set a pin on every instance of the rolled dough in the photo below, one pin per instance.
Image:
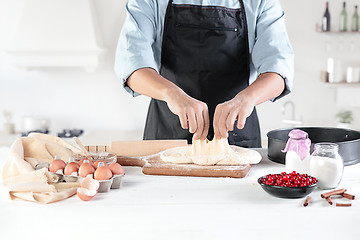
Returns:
(215, 152)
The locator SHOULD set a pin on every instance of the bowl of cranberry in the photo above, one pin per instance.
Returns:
(288, 185)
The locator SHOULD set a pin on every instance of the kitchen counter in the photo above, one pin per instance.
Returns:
(8, 139)
(164, 207)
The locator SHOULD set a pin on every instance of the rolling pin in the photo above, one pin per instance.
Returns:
(138, 148)
(144, 148)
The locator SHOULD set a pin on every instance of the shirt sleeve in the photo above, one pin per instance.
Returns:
(134, 49)
(272, 51)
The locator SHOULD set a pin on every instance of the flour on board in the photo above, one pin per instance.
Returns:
(215, 152)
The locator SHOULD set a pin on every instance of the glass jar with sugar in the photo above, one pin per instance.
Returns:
(326, 165)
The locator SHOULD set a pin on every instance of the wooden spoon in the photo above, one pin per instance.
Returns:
(78, 142)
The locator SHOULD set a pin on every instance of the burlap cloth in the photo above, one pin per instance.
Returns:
(24, 182)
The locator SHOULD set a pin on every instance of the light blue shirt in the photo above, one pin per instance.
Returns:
(140, 39)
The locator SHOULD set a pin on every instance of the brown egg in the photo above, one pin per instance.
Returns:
(96, 163)
(56, 165)
(116, 169)
(84, 160)
(71, 168)
(86, 169)
(103, 173)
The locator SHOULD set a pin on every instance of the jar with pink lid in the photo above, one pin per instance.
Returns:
(297, 152)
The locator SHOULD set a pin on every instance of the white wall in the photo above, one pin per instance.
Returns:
(314, 101)
(73, 98)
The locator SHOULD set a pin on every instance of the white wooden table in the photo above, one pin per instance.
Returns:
(162, 207)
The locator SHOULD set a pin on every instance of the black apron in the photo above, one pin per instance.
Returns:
(205, 52)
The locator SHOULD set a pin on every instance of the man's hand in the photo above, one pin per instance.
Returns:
(267, 86)
(193, 114)
(240, 107)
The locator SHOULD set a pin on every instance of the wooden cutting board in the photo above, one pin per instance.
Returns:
(153, 165)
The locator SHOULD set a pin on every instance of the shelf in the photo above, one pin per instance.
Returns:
(339, 33)
(324, 78)
(318, 30)
(342, 85)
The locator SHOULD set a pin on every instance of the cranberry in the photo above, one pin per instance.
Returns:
(285, 178)
(292, 179)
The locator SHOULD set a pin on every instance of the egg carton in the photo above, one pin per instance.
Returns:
(105, 185)
(113, 183)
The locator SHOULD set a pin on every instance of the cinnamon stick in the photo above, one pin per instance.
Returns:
(334, 192)
(307, 201)
(328, 199)
(348, 196)
(343, 204)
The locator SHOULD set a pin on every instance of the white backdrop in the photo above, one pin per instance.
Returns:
(73, 98)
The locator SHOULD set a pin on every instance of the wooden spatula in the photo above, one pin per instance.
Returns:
(79, 143)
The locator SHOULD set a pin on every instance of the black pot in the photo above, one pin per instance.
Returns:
(348, 141)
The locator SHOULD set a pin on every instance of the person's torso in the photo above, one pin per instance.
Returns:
(205, 52)
(251, 7)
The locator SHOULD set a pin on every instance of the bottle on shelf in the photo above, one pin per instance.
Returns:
(355, 20)
(343, 19)
(326, 19)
